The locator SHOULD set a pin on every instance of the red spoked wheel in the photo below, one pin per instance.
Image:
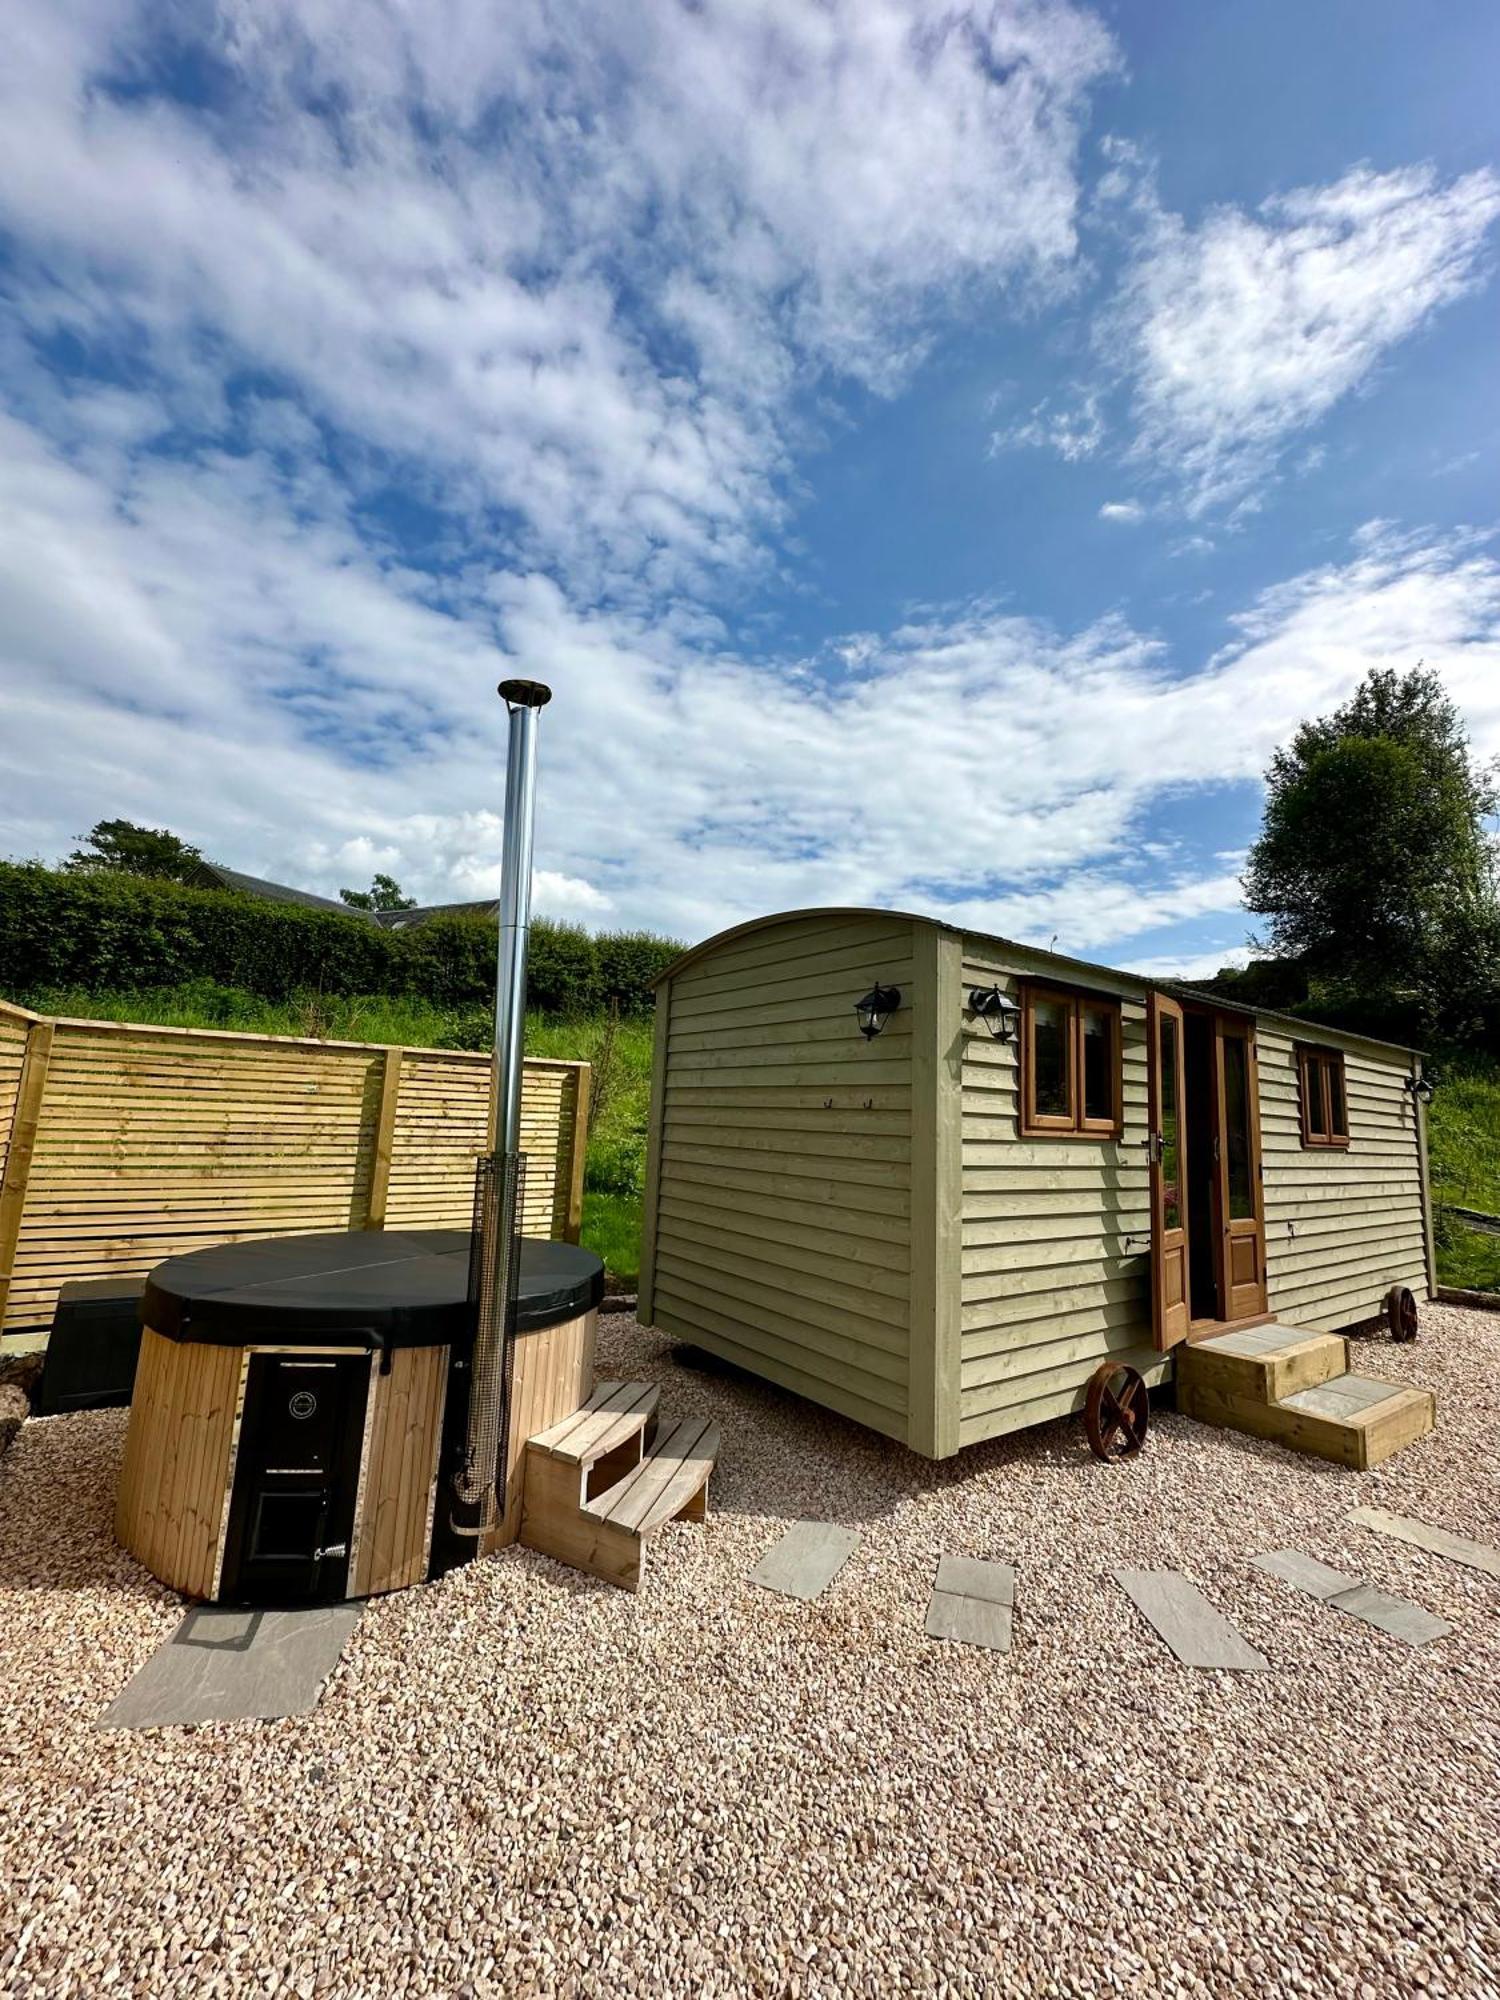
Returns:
(1401, 1313)
(1118, 1411)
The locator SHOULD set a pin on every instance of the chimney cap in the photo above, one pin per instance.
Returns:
(524, 694)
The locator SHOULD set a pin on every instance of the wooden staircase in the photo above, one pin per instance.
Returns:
(1298, 1390)
(602, 1482)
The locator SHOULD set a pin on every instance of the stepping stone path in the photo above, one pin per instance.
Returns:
(220, 1666)
(972, 1602)
(1438, 1541)
(1396, 1616)
(1197, 1633)
(806, 1559)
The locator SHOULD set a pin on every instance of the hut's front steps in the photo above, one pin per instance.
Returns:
(602, 1482)
(1297, 1389)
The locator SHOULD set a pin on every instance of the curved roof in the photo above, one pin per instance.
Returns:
(1147, 982)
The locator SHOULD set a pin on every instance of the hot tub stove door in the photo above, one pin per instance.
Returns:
(296, 1479)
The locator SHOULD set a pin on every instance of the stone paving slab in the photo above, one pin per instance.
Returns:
(806, 1559)
(225, 1666)
(1198, 1633)
(1344, 1397)
(1437, 1541)
(972, 1603)
(1396, 1616)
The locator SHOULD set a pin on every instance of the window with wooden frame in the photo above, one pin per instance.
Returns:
(1070, 1065)
(1325, 1101)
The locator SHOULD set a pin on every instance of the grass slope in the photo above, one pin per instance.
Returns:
(620, 1052)
(1463, 1122)
(1463, 1145)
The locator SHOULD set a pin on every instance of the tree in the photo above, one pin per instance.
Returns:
(1374, 865)
(127, 849)
(384, 893)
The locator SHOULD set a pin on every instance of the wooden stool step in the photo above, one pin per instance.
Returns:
(612, 1416)
(666, 1483)
(605, 1531)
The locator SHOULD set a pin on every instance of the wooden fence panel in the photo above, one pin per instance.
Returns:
(441, 1122)
(130, 1144)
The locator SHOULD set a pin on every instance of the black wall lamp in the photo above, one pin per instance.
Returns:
(876, 1009)
(997, 1010)
(1420, 1088)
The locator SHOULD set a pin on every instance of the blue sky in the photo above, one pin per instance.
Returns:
(934, 452)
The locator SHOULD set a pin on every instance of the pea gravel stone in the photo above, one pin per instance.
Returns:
(520, 1782)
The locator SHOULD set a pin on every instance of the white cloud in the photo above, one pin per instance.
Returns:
(1242, 331)
(1072, 426)
(159, 657)
(571, 262)
(1126, 512)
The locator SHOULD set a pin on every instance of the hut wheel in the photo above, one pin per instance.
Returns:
(1117, 1412)
(1401, 1313)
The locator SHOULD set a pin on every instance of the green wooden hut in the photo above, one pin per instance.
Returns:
(941, 1216)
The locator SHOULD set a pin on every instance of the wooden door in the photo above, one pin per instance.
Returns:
(1170, 1308)
(1242, 1288)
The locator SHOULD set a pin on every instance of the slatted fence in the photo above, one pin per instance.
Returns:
(122, 1144)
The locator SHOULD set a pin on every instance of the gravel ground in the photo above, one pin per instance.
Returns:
(521, 1782)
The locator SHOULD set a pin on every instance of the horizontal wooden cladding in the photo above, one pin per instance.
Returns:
(1053, 1272)
(880, 1062)
(1022, 1372)
(864, 1239)
(1042, 1296)
(824, 1117)
(732, 1153)
(1025, 1335)
(149, 1142)
(836, 1137)
(877, 945)
(861, 1322)
(982, 1419)
(803, 1193)
(849, 1391)
(1355, 1214)
(781, 1200)
(800, 1269)
(809, 996)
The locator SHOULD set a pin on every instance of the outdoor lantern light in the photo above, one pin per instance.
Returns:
(1420, 1087)
(997, 1010)
(876, 1009)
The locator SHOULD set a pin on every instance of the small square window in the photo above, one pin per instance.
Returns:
(1070, 1065)
(1325, 1114)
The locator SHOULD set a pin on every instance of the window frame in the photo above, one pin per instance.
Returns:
(1315, 1069)
(1075, 1123)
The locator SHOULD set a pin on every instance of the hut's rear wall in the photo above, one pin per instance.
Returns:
(778, 1213)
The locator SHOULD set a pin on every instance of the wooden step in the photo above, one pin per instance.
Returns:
(1355, 1420)
(616, 1413)
(595, 1492)
(1263, 1364)
(671, 1481)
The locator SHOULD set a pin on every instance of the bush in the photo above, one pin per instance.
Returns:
(616, 1165)
(110, 931)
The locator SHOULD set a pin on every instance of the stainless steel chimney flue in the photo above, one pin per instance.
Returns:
(478, 1505)
(524, 700)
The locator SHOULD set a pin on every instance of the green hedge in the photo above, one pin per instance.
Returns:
(107, 931)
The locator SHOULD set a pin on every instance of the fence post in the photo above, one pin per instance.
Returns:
(578, 1151)
(23, 1129)
(385, 1139)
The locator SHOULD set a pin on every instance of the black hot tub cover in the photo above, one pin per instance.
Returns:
(399, 1288)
